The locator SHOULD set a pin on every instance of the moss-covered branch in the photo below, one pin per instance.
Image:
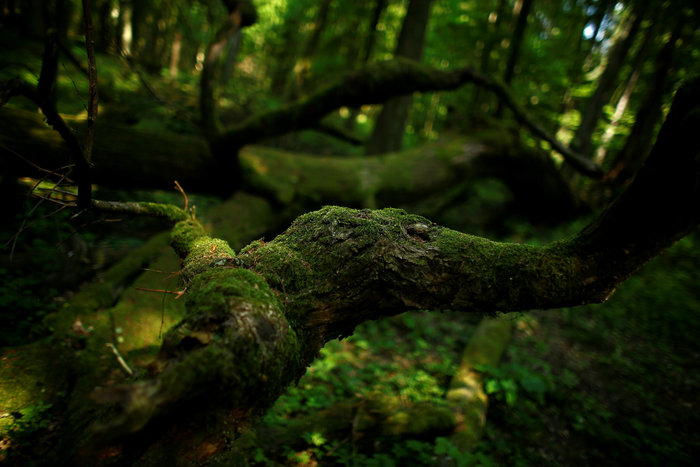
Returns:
(374, 84)
(167, 211)
(256, 320)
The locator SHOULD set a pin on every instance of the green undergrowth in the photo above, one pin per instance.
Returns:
(616, 383)
(405, 361)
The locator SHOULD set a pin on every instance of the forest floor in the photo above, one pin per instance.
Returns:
(610, 384)
(615, 383)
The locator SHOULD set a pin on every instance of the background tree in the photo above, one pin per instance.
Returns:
(388, 130)
(522, 9)
(608, 79)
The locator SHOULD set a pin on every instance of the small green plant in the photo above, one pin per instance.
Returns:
(511, 380)
(28, 422)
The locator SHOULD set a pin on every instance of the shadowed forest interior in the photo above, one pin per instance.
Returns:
(349, 233)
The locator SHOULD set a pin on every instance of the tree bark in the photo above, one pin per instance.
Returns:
(241, 14)
(366, 53)
(374, 84)
(467, 395)
(284, 54)
(369, 85)
(480, 102)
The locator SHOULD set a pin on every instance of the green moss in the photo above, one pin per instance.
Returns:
(141, 318)
(184, 234)
(205, 253)
(27, 378)
(233, 345)
(526, 269)
(419, 419)
(213, 289)
(282, 267)
(242, 217)
(169, 211)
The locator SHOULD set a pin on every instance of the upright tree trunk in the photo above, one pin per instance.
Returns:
(597, 20)
(149, 55)
(631, 157)
(282, 61)
(518, 33)
(366, 53)
(582, 141)
(583, 55)
(32, 18)
(139, 14)
(64, 19)
(640, 58)
(379, 8)
(303, 66)
(482, 100)
(516, 42)
(620, 108)
(389, 127)
(125, 27)
(175, 50)
(104, 31)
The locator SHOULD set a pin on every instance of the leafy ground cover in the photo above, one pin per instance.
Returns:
(621, 379)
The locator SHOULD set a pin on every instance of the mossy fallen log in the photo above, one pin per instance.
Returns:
(128, 158)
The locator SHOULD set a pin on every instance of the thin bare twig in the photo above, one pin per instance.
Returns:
(121, 361)
(177, 294)
(179, 188)
(59, 202)
(38, 190)
(75, 87)
(31, 211)
(47, 99)
(160, 271)
(40, 169)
